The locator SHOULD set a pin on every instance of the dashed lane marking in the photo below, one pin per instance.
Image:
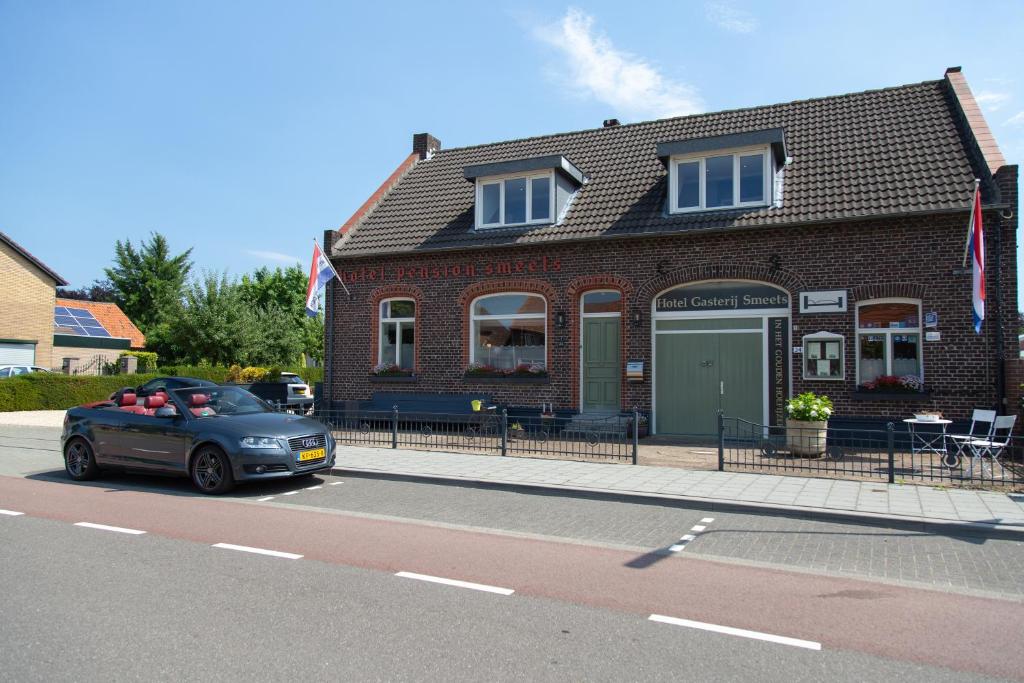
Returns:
(11, 513)
(698, 527)
(104, 527)
(257, 551)
(263, 500)
(312, 488)
(454, 582)
(337, 483)
(707, 520)
(290, 493)
(680, 545)
(742, 633)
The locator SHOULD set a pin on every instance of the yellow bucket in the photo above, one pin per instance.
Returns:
(476, 405)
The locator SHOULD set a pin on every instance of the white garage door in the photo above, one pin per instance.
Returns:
(17, 354)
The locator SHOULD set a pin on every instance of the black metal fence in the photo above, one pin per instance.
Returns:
(896, 453)
(613, 438)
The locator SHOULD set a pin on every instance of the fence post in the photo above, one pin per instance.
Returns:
(504, 431)
(394, 426)
(636, 434)
(890, 436)
(721, 442)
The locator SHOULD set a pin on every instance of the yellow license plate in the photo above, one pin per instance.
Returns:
(314, 454)
(300, 391)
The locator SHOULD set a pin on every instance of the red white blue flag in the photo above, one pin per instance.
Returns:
(976, 252)
(320, 273)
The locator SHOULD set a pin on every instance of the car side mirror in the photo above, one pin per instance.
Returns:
(165, 411)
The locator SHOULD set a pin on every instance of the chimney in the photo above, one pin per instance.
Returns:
(425, 144)
(611, 123)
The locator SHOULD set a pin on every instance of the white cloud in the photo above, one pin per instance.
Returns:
(730, 18)
(599, 70)
(273, 256)
(991, 100)
(1016, 120)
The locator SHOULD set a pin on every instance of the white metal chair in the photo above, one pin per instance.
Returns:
(993, 445)
(960, 441)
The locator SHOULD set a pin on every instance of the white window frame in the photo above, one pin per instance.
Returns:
(399, 323)
(826, 337)
(500, 181)
(889, 331)
(768, 176)
(473, 318)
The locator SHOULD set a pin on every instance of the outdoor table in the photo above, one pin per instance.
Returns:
(926, 442)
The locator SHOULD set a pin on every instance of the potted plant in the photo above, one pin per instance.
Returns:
(807, 423)
(389, 370)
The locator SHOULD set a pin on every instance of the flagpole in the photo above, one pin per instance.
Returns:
(331, 266)
(970, 222)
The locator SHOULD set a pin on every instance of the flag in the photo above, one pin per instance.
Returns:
(320, 273)
(976, 251)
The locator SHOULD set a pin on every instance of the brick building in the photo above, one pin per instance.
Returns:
(27, 293)
(725, 260)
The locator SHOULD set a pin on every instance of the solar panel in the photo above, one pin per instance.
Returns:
(78, 321)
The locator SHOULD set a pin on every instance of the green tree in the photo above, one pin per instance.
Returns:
(149, 281)
(285, 288)
(214, 325)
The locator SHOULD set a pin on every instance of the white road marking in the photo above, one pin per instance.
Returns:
(687, 537)
(263, 500)
(258, 551)
(313, 488)
(290, 493)
(460, 584)
(11, 513)
(707, 520)
(698, 527)
(337, 483)
(104, 527)
(743, 633)
(676, 548)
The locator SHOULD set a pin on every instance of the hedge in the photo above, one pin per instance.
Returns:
(52, 391)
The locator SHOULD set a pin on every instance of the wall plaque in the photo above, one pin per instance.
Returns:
(823, 301)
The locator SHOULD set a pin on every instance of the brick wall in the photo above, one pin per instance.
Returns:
(918, 257)
(26, 304)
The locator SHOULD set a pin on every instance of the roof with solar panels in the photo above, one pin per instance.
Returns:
(95, 319)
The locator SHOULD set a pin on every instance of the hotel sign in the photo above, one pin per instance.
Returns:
(721, 296)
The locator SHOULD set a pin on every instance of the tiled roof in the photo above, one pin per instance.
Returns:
(112, 318)
(874, 153)
(61, 282)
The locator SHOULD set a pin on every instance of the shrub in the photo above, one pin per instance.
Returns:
(49, 391)
(254, 374)
(147, 360)
(808, 407)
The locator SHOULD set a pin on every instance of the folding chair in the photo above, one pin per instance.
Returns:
(998, 439)
(960, 441)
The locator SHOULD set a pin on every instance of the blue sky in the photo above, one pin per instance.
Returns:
(243, 129)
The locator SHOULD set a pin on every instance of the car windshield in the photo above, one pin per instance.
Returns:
(212, 401)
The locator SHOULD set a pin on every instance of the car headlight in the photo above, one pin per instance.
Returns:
(260, 442)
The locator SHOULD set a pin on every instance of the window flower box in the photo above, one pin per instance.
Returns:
(521, 374)
(891, 388)
(389, 372)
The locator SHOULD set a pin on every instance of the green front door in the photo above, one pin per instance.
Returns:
(699, 373)
(601, 371)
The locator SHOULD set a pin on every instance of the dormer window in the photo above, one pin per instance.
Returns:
(518, 200)
(523, 192)
(723, 172)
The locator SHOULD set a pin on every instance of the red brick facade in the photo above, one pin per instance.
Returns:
(917, 257)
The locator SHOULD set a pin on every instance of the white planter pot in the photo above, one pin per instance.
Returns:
(806, 438)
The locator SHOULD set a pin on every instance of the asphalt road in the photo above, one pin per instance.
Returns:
(587, 575)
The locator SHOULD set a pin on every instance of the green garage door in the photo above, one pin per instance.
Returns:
(700, 372)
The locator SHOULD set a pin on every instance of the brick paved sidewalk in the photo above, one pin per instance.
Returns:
(978, 510)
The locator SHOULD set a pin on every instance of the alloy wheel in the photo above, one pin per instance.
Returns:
(209, 470)
(78, 459)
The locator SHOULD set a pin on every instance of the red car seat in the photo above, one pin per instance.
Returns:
(128, 404)
(153, 402)
(197, 404)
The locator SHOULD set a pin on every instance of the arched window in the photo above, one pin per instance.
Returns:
(508, 330)
(888, 339)
(397, 333)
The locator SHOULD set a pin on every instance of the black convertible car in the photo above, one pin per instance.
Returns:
(216, 435)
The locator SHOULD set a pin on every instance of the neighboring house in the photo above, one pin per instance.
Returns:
(731, 259)
(27, 293)
(87, 334)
